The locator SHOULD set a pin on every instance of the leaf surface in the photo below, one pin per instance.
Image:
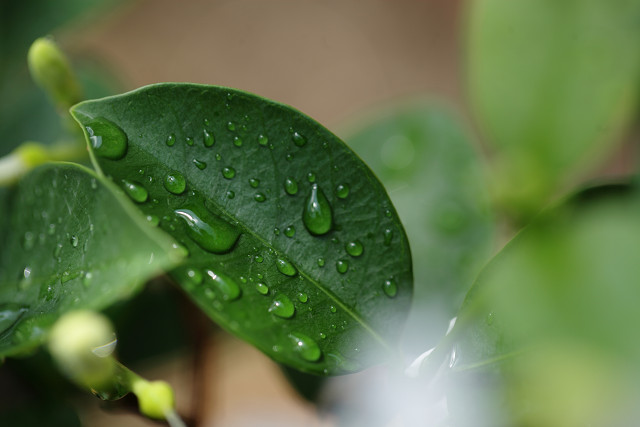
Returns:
(294, 244)
(69, 241)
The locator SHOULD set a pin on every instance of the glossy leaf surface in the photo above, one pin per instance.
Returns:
(552, 83)
(280, 253)
(427, 163)
(69, 242)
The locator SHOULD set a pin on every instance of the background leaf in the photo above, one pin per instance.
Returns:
(69, 242)
(552, 83)
(247, 186)
(434, 178)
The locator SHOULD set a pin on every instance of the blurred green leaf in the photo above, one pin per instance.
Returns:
(552, 83)
(433, 175)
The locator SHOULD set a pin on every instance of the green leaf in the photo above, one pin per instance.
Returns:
(434, 178)
(552, 84)
(69, 242)
(558, 309)
(230, 175)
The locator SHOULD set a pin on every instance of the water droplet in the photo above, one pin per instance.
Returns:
(228, 172)
(208, 292)
(354, 248)
(289, 157)
(206, 122)
(175, 183)
(290, 231)
(305, 346)
(453, 359)
(333, 309)
(285, 267)
(195, 276)
(290, 186)
(74, 241)
(282, 307)
(298, 139)
(342, 266)
(230, 194)
(320, 262)
(259, 259)
(228, 288)
(387, 213)
(317, 216)
(57, 250)
(311, 177)
(390, 288)
(490, 318)
(207, 138)
(218, 157)
(199, 164)
(342, 191)
(302, 297)
(263, 140)
(276, 231)
(94, 183)
(323, 335)
(262, 288)
(135, 191)
(388, 236)
(107, 139)
(86, 280)
(211, 233)
(28, 240)
(171, 140)
(231, 126)
(237, 141)
(243, 279)
(189, 141)
(153, 220)
(51, 229)
(253, 182)
(259, 197)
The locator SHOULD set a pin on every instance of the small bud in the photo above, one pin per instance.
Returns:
(81, 343)
(155, 398)
(50, 69)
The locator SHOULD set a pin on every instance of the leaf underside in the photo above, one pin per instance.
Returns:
(321, 283)
(69, 242)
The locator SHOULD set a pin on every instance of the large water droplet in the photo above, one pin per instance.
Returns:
(175, 183)
(228, 172)
(342, 266)
(390, 288)
(107, 139)
(285, 267)
(211, 233)
(228, 288)
(135, 191)
(305, 346)
(354, 248)
(317, 215)
(207, 138)
(290, 186)
(282, 307)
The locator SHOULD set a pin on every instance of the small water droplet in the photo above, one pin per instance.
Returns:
(262, 288)
(218, 157)
(285, 267)
(175, 183)
(259, 197)
(207, 138)
(211, 233)
(387, 213)
(342, 191)
(51, 229)
(94, 183)
(171, 140)
(206, 122)
(289, 157)
(74, 241)
(254, 182)
(86, 280)
(189, 141)
(228, 288)
(228, 172)
(333, 309)
(317, 216)
(263, 140)
(342, 266)
(200, 164)
(276, 231)
(290, 231)
(107, 139)
(135, 191)
(282, 307)
(302, 297)
(320, 262)
(237, 141)
(231, 126)
(390, 288)
(490, 318)
(354, 248)
(290, 186)
(323, 335)
(28, 240)
(311, 177)
(259, 259)
(57, 250)
(195, 276)
(305, 346)
(153, 220)
(298, 139)
(230, 194)
(388, 236)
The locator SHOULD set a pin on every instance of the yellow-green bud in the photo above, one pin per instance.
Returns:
(51, 70)
(81, 342)
(155, 398)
